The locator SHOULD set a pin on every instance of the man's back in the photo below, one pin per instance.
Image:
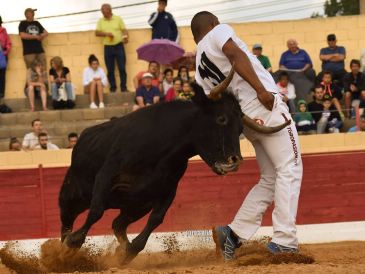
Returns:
(163, 26)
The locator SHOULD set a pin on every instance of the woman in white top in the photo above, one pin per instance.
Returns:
(94, 81)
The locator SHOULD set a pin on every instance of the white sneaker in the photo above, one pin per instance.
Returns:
(101, 105)
(93, 105)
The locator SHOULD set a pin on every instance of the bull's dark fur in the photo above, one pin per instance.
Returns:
(134, 163)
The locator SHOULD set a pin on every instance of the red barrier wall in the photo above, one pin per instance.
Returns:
(333, 190)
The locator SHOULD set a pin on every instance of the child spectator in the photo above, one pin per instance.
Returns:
(167, 81)
(37, 84)
(186, 93)
(14, 144)
(173, 92)
(72, 139)
(183, 74)
(30, 139)
(331, 115)
(94, 81)
(61, 86)
(287, 91)
(303, 120)
(333, 91)
(147, 94)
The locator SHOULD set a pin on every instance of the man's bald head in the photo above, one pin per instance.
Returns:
(202, 23)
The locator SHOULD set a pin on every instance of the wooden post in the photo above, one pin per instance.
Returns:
(43, 202)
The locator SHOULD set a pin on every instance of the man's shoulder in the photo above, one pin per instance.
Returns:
(29, 135)
(353, 129)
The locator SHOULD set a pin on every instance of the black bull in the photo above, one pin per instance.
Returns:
(134, 164)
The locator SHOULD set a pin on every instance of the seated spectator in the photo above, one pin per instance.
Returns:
(354, 86)
(316, 108)
(44, 144)
(147, 94)
(361, 126)
(330, 116)
(186, 93)
(264, 60)
(303, 120)
(296, 59)
(30, 140)
(167, 82)
(37, 84)
(61, 86)
(332, 90)
(94, 81)
(183, 74)
(173, 92)
(14, 144)
(72, 139)
(287, 91)
(333, 59)
(154, 69)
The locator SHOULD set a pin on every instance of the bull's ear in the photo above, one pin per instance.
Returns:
(199, 96)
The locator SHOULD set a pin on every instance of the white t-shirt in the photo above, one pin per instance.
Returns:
(90, 74)
(50, 146)
(288, 91)
(30, 140)
(212, 65)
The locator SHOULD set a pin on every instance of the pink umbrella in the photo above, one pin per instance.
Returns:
(162, 51)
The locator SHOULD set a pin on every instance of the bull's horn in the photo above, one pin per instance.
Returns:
(214, 93)
(263, 129)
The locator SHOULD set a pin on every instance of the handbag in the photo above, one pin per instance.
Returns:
(62, 95)
(3, 62)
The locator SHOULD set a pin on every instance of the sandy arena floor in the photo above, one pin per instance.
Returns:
(343, 257)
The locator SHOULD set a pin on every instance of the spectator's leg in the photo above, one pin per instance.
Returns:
(69, 91)
(41, 57)
(54, 91)
(321, 125)
(29, 59)
(31, 97)
(291, 104)
(347, 103)
(135, 107)
(44, 98)
(337, 104)
(121, 60)
(2, 82)
(100, 89)
(110, 64)
(311, 75)
(92, 89)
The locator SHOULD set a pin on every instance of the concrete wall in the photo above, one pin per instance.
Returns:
(311, 34)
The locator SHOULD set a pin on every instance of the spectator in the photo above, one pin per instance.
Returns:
(30, 140)
(37, 84)
(72, 139)
(354, 86)
(330, 116)
(303, 120)
(296, 59)
(44, 144)
(154, 69)
(14, 144)
(163, 23)
(183, 74)
(173, 92)
(146, 94)
(5, 46)
(167, 82)
(316, 106)
(61, 86)
(361, 126)
(186, 93)
(332, 90)
(94, 81)
(115, 34)
(287, 91)
(264, 60)
(333, 59)
(32, 34)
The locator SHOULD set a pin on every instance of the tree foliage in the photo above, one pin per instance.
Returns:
(341, 7)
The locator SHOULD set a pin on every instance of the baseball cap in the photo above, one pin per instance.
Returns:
(147, 74)
(29, 9)
(331, 37)
(257, 46)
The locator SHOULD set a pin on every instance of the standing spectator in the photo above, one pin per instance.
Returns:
(264, 60)
(287, 91)
(60, 78)
(94, 80)
(173, 92)
(44, 144)
(14, 144)
(147, 94)
(163, 23)
(115, 34)
(333, 59)
(304, 120)
(186, 93)
(316, 108)
(37, 84)
(361, 126)
(154, 69)
(183, 74)
(332, 90)
(5, 46)
(32, 34)
(72, 139)
(354, 86)
(167, 81)
(30, 140)
(330, 116)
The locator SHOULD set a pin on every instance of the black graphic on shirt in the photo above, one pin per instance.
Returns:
(207, 69)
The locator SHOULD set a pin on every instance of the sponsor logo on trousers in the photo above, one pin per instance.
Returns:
(294, 145)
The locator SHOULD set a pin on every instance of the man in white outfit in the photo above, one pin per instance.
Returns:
(278, 154)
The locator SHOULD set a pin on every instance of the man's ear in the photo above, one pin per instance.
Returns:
(199, 96)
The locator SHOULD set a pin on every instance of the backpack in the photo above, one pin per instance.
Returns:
(5, 109)
(2, 58)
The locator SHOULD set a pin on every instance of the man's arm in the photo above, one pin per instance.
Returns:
(27, 36)
(156, 99)
(307, 66)
(243, 67)
(140, 102)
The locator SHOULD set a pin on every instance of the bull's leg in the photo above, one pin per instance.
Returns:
(68, 217)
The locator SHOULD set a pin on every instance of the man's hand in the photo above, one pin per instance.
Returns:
(353, 88)
(267, 99)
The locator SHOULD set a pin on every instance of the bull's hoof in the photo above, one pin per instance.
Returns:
(75, 240)
(67, 252)
(65, 234)
(122, 251)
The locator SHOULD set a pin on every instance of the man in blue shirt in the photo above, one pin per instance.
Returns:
(146, 94)
(333, 59)
(163, 23)
(361, 125)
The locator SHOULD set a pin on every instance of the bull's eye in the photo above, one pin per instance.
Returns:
(222, 120)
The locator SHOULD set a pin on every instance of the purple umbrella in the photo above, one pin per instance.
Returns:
(162, 51)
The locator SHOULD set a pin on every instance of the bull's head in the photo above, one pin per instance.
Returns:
(218, 125)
